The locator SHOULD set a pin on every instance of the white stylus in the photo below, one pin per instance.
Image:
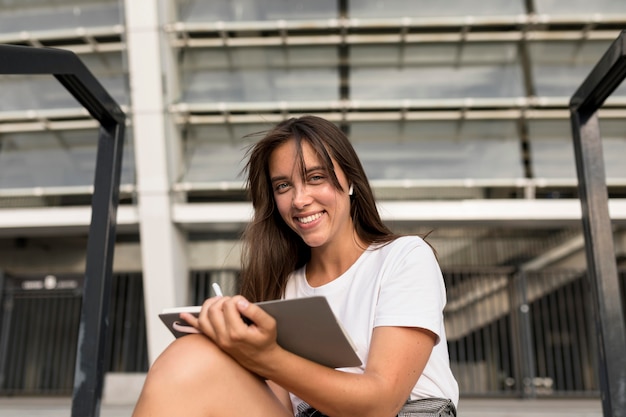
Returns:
(217, 289)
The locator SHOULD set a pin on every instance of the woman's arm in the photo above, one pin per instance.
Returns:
(397, 358)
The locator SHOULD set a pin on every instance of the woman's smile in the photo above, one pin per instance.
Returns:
(310, 218)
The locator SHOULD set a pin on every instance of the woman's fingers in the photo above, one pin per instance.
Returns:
(194, 321)
(234, 324)
(211, 317)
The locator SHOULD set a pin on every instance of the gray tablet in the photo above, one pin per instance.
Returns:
(305, 326)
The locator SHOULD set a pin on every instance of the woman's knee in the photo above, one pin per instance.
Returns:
(188, 360)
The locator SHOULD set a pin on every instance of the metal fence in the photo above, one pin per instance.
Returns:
(509, 334)
(521, 334)
(39, 330)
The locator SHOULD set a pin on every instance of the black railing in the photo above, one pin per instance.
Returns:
(70, 71)
(604, 78)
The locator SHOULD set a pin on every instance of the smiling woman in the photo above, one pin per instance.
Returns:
(315, 231)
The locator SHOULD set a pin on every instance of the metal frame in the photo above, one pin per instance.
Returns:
(70, 71)
(604, 78)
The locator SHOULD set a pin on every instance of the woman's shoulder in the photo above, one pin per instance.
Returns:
(404, 241)
(406, 245)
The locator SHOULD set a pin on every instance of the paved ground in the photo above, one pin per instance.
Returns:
(61, 407)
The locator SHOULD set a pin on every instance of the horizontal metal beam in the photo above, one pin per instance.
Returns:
(393, 39)
(79, 40)
(398, 109)
(75, 119)
(510, 213)
(219, 216)
(59, 220)
(474, 22)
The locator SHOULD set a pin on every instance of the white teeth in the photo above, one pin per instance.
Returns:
(309, 219)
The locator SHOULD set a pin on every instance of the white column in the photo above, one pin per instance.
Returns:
(157, 151)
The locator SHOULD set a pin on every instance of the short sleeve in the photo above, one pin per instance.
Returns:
(412, 292)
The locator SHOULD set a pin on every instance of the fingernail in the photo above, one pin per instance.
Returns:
(243, 303)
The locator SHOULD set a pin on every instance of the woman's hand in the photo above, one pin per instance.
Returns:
(251, 342)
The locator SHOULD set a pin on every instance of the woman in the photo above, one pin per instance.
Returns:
(315, 231)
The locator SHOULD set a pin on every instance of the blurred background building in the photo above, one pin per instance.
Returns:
(458, 109)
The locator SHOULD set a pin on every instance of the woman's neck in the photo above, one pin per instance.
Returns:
(328, 263)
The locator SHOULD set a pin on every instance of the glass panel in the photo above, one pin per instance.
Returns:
(255, 10)
(21, 92)
(20, 15)
(260, 74)
(54, 159)
(435, 71)
(217, 152)
(552, 149)
(560, 67)
(389, 151)
(429, 8)
(580, 6)
(34, 93)
(613, 134)
(439, 150)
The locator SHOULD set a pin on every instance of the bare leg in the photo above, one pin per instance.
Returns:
(193, 377)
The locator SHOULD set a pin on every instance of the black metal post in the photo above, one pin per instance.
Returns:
(522, 335)
(80, 82)
(90, 364)
(605, 77)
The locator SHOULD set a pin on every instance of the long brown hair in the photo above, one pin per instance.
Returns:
(271, 250)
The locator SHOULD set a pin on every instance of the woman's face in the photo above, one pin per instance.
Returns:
(313, 207)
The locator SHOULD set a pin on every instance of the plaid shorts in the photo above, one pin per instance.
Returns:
(427, 407)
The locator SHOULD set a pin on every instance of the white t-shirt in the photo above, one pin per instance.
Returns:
(397, 284)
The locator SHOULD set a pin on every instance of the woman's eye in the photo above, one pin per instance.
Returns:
(316, 178)
(281, 186)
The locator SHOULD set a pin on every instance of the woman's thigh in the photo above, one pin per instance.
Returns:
(194, 375)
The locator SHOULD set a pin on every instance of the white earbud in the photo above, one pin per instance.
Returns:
(351, 190)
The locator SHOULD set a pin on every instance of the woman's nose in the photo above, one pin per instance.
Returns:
(301, 197)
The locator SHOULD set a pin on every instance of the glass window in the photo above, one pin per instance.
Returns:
(613, 132)
(260, 74)
(435, 71)
(55, 159)
(255, 10)
(560, 67)
(21, 92)
(430, 8)
(216, 153)
(438, 150)
(569, 7)
(552, 149)
(36, 15)
(388, 150)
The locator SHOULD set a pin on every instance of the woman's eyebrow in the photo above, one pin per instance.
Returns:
(315, 168)
(279, 178)
(308, 171)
